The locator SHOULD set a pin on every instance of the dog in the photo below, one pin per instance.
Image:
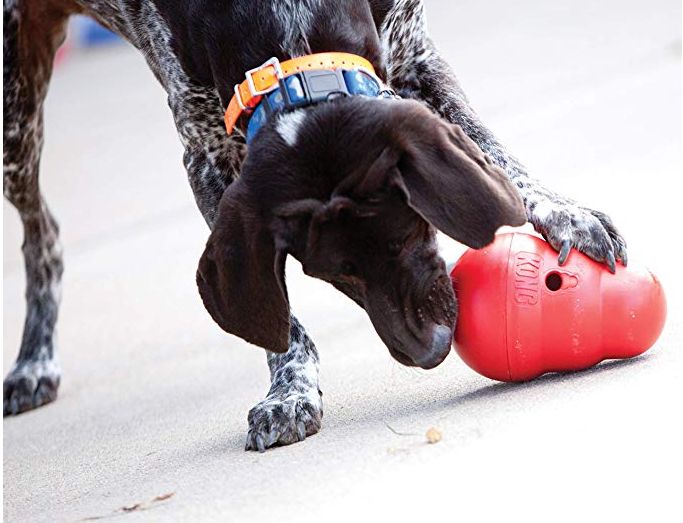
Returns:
(352, 186)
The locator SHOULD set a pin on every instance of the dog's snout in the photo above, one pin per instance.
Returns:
(439, 349)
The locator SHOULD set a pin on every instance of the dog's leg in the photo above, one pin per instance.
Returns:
(32, 33)
(293, 408)
(416, 70)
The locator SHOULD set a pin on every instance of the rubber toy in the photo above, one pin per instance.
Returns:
(521, 314)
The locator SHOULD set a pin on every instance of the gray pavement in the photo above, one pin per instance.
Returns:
(154, 395)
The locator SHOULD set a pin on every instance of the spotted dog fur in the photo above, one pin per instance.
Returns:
(34, 378)
(33, 31)
(296, 17)
(293, 408)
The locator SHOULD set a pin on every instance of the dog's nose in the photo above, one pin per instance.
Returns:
(439, 349)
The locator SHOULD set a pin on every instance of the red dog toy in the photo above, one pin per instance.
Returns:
(522, 315)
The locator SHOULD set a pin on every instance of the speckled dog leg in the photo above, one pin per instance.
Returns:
(34, 378)
(293, 408)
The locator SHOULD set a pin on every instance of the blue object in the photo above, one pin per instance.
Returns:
(92, 34)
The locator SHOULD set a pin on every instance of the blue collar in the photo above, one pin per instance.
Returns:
(312, 87)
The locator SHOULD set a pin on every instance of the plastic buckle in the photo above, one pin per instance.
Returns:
(275, 63)
(321, 85)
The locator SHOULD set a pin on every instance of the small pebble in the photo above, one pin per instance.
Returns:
(433, 435)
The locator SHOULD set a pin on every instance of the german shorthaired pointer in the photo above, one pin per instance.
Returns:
(354, 187)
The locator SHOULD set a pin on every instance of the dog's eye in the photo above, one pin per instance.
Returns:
(348, 269)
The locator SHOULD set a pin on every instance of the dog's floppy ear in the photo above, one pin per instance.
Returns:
(241, 274)
(448, 180)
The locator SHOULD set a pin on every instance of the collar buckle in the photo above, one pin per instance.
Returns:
(272, 62)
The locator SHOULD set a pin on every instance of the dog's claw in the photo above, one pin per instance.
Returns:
(564, 252)
(260, 446)
(611, 262)
(273, 436)
(301, 430)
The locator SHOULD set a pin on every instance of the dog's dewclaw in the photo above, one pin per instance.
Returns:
(433, 435)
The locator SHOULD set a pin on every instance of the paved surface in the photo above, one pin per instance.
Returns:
(155, 396)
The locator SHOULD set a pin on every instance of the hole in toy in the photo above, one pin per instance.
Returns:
(553, 281)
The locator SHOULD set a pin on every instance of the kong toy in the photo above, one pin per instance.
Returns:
(522, 314)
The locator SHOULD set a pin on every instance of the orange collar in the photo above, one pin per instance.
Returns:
(266, 77)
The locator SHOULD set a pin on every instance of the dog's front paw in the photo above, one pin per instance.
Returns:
(284, 418)
(30, 384)
(565, 225)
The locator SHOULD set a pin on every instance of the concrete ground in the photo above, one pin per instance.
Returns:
(154, 395)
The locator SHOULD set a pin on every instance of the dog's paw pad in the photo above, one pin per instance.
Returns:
(30, 385)
(284, 419)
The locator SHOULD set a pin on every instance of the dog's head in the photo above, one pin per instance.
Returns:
(355, 190)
